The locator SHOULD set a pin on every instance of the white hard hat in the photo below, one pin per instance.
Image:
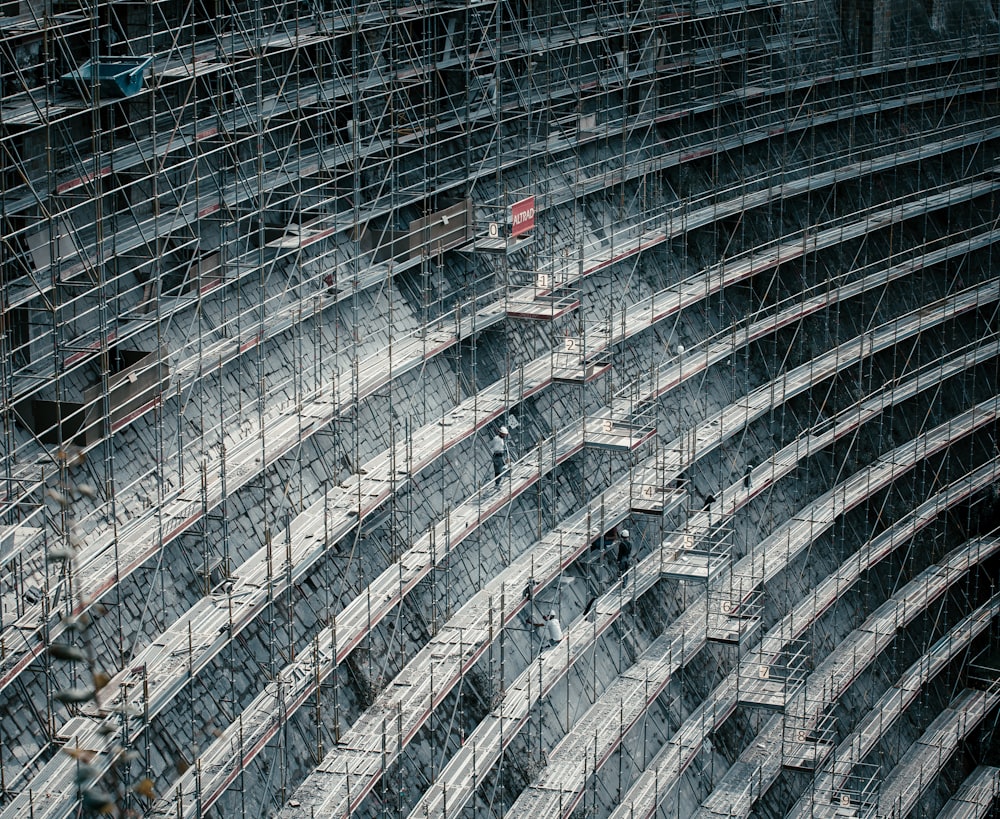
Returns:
(624, 533)
(552, 613)
(504, 431)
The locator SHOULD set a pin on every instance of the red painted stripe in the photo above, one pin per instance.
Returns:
(23, 663)
(696, 154)
(671, 116)
(321, 235)
(133, 415)
(246, 345)
(81, 180)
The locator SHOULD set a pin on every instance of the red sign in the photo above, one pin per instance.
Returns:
(522, 216)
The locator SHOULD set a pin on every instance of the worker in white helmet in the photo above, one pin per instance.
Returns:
(549, 628)
(624, 555)
(624, 551)
(501, 457)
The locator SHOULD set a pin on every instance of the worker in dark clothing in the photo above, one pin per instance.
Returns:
(624, 551)
(748, 476)
(501, 457)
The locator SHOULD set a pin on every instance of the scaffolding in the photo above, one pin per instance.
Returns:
(769, 679)
(705, 549)
(846, 763)
(976, 796)
(365, 617)
(274, 274)
(762, 762)
(461, 777)
(808, 735)
(856, 795)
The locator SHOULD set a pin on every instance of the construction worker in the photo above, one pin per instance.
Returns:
(501, 457)
(553, 629)
(549, 628)
(624, 551)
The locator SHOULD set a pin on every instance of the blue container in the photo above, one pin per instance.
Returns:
(117, 77)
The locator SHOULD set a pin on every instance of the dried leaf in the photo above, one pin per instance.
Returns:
(72, 456)
(87, 490)
(61, 553)
(80, 754)
(99, 801)
(57, 496)
(144, 787)
(61, 651)
(125, 708)
(77, 623)
(69, 695)
(97, 608)
(86, 773)
(101, 679)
